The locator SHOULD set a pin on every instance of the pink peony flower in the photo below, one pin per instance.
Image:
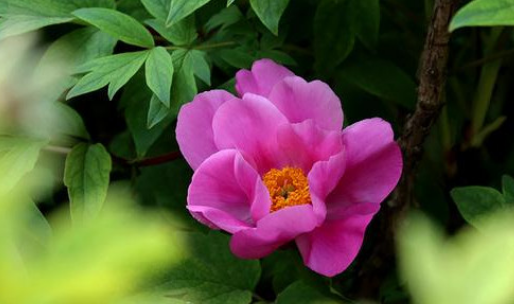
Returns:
(273, 166)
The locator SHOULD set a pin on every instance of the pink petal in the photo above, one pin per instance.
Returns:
(304, 144)
(367, 137)
(373, 166)
(331, 248)
(323, 178)
(250, 125)
(194, 126)
(273, 231)
(227, 193)
(262, 78)
(217, 219)
(300, 100)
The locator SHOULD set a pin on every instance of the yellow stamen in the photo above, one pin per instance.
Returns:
(287, 187)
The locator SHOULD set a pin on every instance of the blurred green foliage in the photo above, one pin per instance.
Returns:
(471, 267)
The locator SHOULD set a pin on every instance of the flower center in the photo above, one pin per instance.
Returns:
(287, 187)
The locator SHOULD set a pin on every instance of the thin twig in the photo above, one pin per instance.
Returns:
(202, 46)
(487, 59)
(214, 45)
(174, 48)
(57, 149)
(144, 162)
(157, 160)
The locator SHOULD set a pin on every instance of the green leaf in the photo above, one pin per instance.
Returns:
(18, 156)
(180, 9)
(72, 50)
(155, 189)
(270, 42)
(86, 175)
(301, 293)
(185, 88)
(225, 18)
(183, 61)
(269, 12)
(79, 47)
(157, 112)
(472, 267)
(137, 112)
(333, 35)
(70, 123)
(183, 33)
(278, 56)
(159, 74)
(229, 2)
(136, 97)
(29, 15)
(508, 189)
(48, 8)
(133, 8)
(237, 58)
(484, 13)
(284, 267)
(16, 25)
(210, 273)
(476, 202)
(368, 72)
(115, 70)
(183, 91)
(121, 26)
(158, 8)
(366, 21)
(34, 233)
(200, 66)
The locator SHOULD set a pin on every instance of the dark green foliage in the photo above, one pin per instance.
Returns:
(210, 273)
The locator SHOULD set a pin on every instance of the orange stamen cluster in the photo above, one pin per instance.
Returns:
(287, 187)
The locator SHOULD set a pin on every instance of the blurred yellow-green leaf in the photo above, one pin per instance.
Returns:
(472, 267)
(99, 261)
(17, 157)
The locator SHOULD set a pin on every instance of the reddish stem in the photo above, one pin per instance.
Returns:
(150, 161)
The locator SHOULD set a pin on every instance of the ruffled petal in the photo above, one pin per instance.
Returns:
(261, 79)
(300, 100)
(227, 193)
(373, 166)
(323, 178)
(331, 248)
(250, 125)
(273, 231)
(304, 144)
(194, 126)
(217, 219)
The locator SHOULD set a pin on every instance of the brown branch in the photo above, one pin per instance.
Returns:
(432, 78)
